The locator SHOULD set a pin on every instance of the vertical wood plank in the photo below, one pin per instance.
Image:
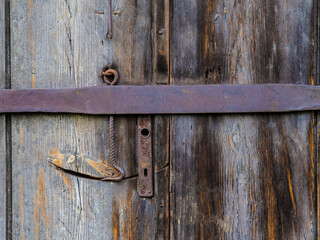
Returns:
(317, 122)
(2, 126)
(63, 44)
(242, 176)
(161, 124)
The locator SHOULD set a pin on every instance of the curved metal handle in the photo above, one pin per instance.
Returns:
(88, 166)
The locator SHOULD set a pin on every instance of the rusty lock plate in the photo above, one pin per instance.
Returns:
(194, 99)
(145, 181)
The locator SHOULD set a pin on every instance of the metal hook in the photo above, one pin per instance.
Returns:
(108, 73)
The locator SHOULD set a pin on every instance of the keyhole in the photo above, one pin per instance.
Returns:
(145, 172)
(145, 132)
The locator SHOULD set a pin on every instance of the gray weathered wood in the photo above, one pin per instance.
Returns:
(2, 126)
(63, 44)
(242, 176)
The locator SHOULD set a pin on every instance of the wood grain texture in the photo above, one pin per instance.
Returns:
(242, 176)
(2, 125)
(63, 44)
(317, 82)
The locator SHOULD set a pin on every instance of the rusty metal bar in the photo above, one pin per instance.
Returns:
(145, 181)
(195, 99)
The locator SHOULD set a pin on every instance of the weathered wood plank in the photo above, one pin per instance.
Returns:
(316, 42)
(3, 164)
(161, 129)
(63, 44)
(242, 176)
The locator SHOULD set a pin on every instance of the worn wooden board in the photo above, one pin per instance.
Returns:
(63, 44)
(2, 125)
(317, 82)
(242, 176)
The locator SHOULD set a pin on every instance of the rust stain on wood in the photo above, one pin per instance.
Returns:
(67, 182)
(58, 159)
(33, 76)
(288, 170)
(54, 151)
(21, 210)
(289, 180)
(36, 215)
(41, 194)
(39, 201)
(147, 232)
(270, 198)
(209, 26)
(290, 186)
(32, 46)
(21, 135)
(30, 3)
(130, 225)
(318, 172)
(229, 140)
(115, 218)
(311, 167)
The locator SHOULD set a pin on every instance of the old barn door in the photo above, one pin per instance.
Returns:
(217, 176)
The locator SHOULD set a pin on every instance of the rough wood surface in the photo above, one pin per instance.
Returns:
(2, 126)
(63, 44)
(317, 82)
(253, 176)
(242, 176)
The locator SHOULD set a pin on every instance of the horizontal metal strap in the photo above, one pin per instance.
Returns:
(194, 99)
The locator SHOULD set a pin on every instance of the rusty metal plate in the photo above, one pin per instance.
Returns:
(195, 99)
(145, 181)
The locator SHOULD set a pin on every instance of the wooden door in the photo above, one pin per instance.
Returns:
(217, 176)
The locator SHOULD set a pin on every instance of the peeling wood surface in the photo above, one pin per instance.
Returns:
(63, 44)
(243, 176)
(2, 126)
